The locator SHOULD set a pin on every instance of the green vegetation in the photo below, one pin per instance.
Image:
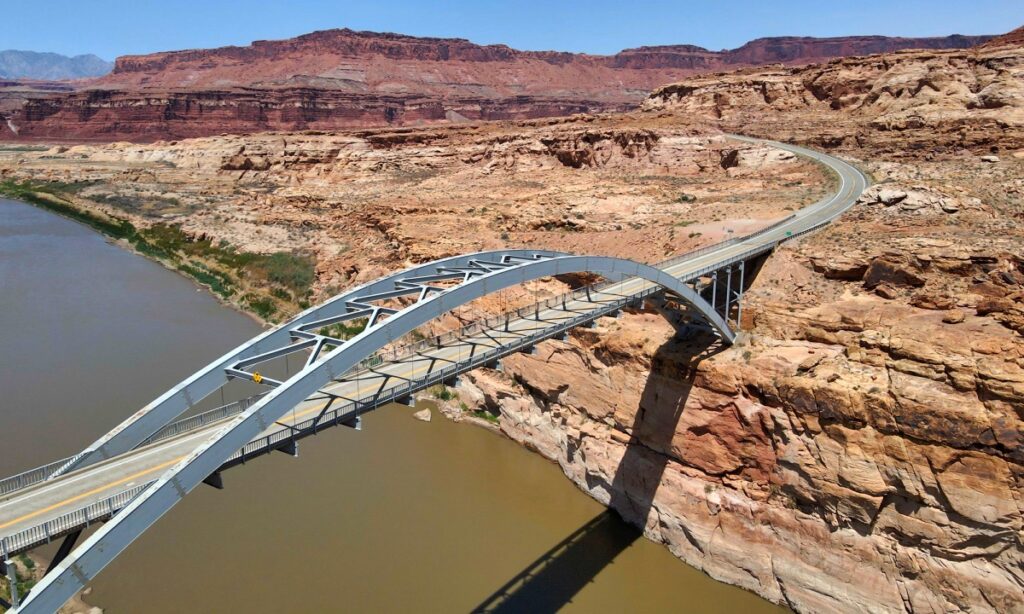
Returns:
(9, 147)
(268, 283)
(442, 392)
(486, 415)
(344, 330)
(45, 196)
(287, 269)
(262, 306)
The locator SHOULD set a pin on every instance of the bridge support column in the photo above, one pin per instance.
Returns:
(215, 480)
(12, 579)
(714, 291)
(291, 448)
(355, 423)
(739, 300)
(728, 292)
(65, 549)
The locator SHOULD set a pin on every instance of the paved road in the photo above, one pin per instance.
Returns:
(33, 506)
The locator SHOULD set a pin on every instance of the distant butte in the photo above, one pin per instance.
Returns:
(337, 79)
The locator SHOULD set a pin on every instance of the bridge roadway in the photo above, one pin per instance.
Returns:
(26, 510)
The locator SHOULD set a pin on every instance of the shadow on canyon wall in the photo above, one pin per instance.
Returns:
(551, 581)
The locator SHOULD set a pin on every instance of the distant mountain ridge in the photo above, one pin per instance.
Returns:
(51, 66)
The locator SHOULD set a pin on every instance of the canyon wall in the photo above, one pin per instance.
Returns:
(340, 79)
(104, 115)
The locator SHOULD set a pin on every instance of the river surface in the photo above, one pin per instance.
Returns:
(403, 516)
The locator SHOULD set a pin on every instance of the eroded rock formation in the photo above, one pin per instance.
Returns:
(909, 103)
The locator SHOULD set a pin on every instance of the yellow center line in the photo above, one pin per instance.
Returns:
(90, 492)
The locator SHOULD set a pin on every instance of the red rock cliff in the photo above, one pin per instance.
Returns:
(340, 78)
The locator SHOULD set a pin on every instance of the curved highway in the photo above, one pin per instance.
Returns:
(47, 509)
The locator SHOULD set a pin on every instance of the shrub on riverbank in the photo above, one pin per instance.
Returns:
(267, 283)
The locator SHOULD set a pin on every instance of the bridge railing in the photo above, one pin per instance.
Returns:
(105, 508)
(66, 523)
(40, 474)
(202, 419)
(30, 477)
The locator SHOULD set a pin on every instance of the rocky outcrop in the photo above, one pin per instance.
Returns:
(903, 103)
(860, 448)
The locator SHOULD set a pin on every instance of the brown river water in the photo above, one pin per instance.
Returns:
(403, 516)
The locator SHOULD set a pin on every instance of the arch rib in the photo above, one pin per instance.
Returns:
(112, 538)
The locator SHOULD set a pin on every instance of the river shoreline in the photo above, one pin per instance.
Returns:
(230, 287)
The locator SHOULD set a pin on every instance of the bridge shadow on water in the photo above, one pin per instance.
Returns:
(553, 579)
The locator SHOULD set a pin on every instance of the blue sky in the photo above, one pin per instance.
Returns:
(110, 28)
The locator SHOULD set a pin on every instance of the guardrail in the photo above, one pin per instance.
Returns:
(200, 420)
(101, 510)
(30, 477)
(72, 521)
(40, 474)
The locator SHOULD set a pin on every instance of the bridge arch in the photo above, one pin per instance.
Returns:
(481, 277)
(69, 575)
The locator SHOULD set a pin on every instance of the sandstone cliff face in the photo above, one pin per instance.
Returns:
(341, 79)
(356, 57)
(856, 451)
(105, 115)
(860, 449)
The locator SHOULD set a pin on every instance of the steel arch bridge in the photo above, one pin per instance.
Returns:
(331, 387)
